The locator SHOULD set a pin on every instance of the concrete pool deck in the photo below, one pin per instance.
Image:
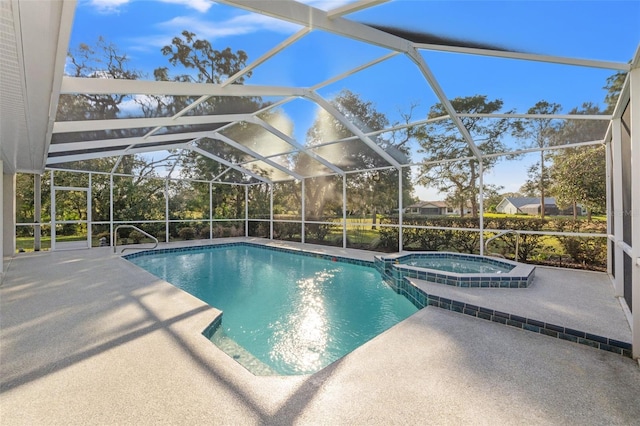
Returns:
(88, 338)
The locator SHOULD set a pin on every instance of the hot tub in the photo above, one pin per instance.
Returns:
(456, 269)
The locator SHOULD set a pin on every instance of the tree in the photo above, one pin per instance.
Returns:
(135, 198)
(576, 131)
(211, 65)
(578, 174)
(100, 61)
(539, 133)
(371, 190)
(199, 62)
(613, 87)
(492, 197)
(536, 180)
(441, 141)
(579, 177)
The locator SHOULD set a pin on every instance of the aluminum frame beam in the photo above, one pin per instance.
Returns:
(257, 156)
(308, 16)
(353, 128)
(431, 79)
(268, 127)
(353, 7)
(226, 163)
(138, 123)
(105, 154)
(140, 140)
(603, 117)
(305, 15)
(272, 52)
(620, 66)
(108, 86)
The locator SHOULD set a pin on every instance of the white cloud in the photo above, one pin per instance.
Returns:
(207, 28)
(107, 6)
(201, 6)
(238, 25)
(246, 23)
(326, 4)
(113, 6)
(149, 43)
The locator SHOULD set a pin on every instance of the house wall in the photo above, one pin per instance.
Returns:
(430, 211)
(508, 209)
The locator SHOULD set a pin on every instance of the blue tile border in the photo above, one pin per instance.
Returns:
(398, 280)
(213, 327)
(330, 257)
(520, 276)
(422, 299)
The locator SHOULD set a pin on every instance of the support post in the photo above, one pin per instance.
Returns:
(2, 218)
(7, 214)
(271, 211)
(609, 203)
(166, 210)
(481, 206)
(344, 211)
(302, 233)
(211, 211)
(112, 241)
(89, 209)
(400, 211)
(53, 213)
(616, 211)
(37, 212)
(246, 211)
(634, 75)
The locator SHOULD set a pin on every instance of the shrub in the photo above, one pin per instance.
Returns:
(204, 233)
(217, 231)
(103, 235)
(136, 236)
(318, 231)
(423, 239)
(187, 233)
(286, 231)
(387, 238)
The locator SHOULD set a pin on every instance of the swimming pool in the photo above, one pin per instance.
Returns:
(284, 312)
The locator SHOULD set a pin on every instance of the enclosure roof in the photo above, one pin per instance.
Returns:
(301, 54)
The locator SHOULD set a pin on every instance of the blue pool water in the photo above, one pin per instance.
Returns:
(460, 266)
(283, 313)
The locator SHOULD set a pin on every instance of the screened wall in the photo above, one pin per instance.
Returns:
(339, 123)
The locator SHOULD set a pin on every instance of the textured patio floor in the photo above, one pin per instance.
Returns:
(88, 338)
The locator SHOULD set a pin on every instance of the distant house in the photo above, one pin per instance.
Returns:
(433, 208)
(531, 205)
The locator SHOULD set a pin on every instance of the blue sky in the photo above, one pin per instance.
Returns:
(603, 30)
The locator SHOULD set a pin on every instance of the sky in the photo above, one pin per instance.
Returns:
(600, 30)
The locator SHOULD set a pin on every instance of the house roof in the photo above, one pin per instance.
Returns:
(520, 202)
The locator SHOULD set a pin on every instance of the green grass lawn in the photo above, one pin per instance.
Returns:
(26, 243)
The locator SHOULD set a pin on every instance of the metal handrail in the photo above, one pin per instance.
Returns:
(508, 231)
(115, 241)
